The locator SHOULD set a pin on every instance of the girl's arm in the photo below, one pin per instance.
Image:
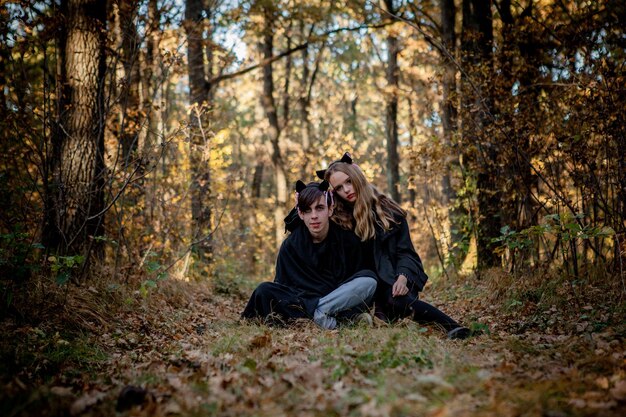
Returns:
(408, 262)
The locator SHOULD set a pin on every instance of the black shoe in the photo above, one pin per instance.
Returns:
(459, 333)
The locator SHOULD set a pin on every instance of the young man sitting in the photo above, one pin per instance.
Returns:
(321, 271)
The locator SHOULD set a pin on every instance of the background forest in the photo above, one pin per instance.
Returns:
(146, 143)
(146, 132)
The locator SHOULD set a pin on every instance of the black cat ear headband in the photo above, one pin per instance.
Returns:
(323, 187)
(345, 158)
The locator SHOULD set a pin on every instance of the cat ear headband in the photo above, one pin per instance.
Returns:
(346, 158)
(323, 187)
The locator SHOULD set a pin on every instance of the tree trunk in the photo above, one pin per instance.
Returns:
(269, 105)
(75, 198)
(452, 215)
(303, 104)
(412, 168)
(529, 97)
(619, 246)
(621, 174)
(257, 180)
(129, 95)
(476, 45)
(286, 101)
(148, 134)
(199, 100)
(505, 105)
(4, 59)
(391, 111)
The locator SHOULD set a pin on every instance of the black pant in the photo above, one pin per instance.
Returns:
(395, 308)
(275, 303)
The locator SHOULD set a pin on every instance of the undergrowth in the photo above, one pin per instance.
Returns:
(541, 298)
(544, 341)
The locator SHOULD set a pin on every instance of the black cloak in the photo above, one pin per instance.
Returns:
(311, 270)
(394, 254)
(317, 269)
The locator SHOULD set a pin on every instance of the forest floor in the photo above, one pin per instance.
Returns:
(180, 349)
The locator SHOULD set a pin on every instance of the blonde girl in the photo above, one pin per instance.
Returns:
(381, 222)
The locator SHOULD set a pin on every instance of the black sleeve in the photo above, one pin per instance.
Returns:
(282, 268)
(408, 262)
(288, 265)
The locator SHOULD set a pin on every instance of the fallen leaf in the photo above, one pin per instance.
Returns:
(172, 407)
(578, 402)
(619, 390)
(175, 381)
(603, 382)
(61, 391)
(83, 403)
(433, 381)
(260, 341)
(601, 405)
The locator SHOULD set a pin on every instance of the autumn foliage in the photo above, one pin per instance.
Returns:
(147, 156)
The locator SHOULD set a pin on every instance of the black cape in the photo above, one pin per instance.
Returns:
(307, 271)
(392, 250)
(394, 254)
(317, 269)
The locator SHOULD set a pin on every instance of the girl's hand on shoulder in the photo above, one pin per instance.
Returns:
(399, 287)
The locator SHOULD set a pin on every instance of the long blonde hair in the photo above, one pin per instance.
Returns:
(371, 206)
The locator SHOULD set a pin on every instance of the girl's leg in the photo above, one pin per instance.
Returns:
(421, 312)
(390, 308)
(425, 313)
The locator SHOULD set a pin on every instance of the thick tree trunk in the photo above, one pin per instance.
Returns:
(391, 120)
(75, 199)
(505, 105)
(199, 100)
(520, 212)
(476, 45)
(391, 111)
(269, 105)
(529, 98)
(452, 215)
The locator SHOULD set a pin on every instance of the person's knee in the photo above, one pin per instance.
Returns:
(402, 302)
(366, 286)
(264, 289)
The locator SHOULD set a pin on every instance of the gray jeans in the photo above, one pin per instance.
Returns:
(351, 294)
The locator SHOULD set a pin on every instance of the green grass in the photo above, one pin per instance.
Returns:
(234, 368)
(44, 356)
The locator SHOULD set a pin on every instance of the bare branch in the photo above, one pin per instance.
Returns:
(290, 51)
